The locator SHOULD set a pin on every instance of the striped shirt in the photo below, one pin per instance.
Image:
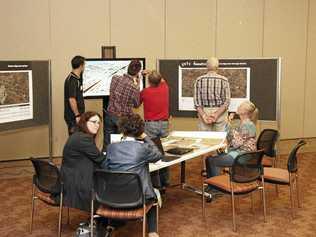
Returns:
(211, 90)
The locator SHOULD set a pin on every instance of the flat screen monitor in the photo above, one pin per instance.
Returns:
(98, 74)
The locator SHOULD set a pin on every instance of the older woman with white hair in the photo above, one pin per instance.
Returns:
(241, 139)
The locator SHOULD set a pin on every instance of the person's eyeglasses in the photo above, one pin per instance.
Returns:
(94, 121)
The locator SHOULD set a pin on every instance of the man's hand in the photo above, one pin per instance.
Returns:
(207, 119)
(77, 119)
(145, 72)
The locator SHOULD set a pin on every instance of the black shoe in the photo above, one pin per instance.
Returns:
(215, 193)
(109, 230)
(162, 190)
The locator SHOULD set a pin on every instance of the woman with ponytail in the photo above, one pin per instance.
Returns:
(239, 140)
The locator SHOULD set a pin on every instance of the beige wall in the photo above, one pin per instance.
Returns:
(58, 30)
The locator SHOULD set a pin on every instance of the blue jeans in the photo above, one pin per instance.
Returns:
(155, 129)
(215, 163)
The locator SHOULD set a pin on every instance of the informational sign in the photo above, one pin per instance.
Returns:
(16, 93)
(190, 70)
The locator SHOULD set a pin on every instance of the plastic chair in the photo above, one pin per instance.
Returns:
(287, 176)
(47, 183)
(266, 141)
(242, 179)
(120, 196)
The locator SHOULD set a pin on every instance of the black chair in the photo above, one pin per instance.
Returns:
(287, 176)
(242, 179)
(47, 184)
(266, 141)
(119, 195)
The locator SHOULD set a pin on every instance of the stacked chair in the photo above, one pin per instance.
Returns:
(288, 177)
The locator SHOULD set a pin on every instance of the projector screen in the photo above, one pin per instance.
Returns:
(98, 74)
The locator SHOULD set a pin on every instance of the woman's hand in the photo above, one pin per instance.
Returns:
(142, 136)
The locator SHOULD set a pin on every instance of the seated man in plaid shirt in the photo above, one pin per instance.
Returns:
(124, 96)
(212, 98)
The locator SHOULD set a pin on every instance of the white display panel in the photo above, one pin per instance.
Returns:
(98, 74)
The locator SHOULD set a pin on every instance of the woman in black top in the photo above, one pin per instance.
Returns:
(80, 157)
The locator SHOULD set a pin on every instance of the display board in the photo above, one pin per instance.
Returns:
(98, 74)
(24, 94)
(250, 79)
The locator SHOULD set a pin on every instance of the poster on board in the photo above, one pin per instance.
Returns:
(16, 93)
(190, 70)
(98, 74)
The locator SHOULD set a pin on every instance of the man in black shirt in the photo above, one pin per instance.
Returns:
(73, 94)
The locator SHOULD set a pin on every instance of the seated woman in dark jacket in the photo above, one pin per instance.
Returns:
(80, 157)
(133, 154)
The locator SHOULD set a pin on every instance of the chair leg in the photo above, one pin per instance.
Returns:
(157, 216)
(252, 203)
(91, 217)
(233, 207)
(276, 189)
(60, 214)
(298, 194)
(203, 202)
(68, 216)
(144, 220)
(32, 208)
(237, 204)
(291, 197)
(264, 200)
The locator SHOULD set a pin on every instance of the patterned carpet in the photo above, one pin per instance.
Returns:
(181, 213)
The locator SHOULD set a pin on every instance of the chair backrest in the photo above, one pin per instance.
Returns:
(247, 167)
(118, 189)
(47, 176)
(292, 160)
(267, 140)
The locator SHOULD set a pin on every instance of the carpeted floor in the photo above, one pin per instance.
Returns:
(181, 213)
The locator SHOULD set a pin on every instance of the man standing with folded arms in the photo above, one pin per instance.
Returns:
(212, 98)
(73, 94)
(155, 99)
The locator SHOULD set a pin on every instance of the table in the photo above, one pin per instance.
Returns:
(202, 143)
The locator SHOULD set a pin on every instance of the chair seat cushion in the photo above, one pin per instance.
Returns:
(46, 197)
(122, 213)
(276, 175)
(267, 161)
(223, 182)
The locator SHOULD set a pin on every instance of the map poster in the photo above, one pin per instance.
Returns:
(237, 75)
(16, 93)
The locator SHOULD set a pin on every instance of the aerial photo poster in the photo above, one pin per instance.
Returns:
(189, 71)
(16, 94)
